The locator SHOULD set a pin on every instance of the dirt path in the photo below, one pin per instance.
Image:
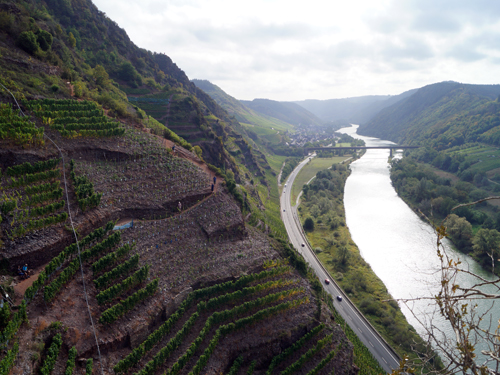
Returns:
(22, 285)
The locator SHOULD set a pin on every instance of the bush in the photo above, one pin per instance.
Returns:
(44, 39)
(309, 224)
(28, 41)
(54, 88)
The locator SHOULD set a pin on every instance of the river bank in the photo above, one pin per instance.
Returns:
(323, 204)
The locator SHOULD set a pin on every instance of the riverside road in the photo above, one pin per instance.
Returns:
(384, 354)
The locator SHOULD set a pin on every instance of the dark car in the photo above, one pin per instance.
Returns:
(327, 281)
(303, 245)
(339, 298)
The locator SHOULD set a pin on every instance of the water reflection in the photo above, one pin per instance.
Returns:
(397, 244)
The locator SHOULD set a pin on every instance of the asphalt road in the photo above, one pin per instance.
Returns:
(384, 354)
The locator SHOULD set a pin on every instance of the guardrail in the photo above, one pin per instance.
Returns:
(344, 296)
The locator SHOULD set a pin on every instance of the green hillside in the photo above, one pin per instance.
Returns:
(356, 110)
(285, 111)
(442, 115)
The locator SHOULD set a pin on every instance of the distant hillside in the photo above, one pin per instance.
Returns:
(236, 108)
(357, 110)
(444, 114)
(284, 111)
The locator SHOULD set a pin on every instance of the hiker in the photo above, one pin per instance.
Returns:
(215, 179)
(20, 272)
(179, 206)
(26, 271)
(212, 188)
(173, 148)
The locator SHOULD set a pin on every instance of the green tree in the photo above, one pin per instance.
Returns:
(486, 244)
(27, 41)
(101, 76)
(198, 151)
(72, 40)
(44, 39)
(127, 72)
(343, 255)
(460, 232)
(309, 224)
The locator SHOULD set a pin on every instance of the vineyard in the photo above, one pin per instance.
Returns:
(74, 118)
(19, 130)
(31, 198)
(187, 288)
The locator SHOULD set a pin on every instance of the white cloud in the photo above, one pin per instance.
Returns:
(292, 50)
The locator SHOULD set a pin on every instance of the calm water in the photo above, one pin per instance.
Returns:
(399, 247)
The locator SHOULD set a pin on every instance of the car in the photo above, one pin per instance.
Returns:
(285, 185)
(327, 281)
(339, 298)
(283, 210)
(303, 245)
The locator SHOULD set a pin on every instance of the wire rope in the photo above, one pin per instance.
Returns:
(74, 233)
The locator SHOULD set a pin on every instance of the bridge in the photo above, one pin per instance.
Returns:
(390, 147)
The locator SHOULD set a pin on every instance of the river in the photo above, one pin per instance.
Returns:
(398, 245)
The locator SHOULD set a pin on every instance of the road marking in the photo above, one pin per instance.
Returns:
(370, 343)
(384, 360)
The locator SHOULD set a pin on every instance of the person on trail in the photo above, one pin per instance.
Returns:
(173, 148)
(179, 206)
(215, 179)
(20, 272)
(25, 271)
(212, 188)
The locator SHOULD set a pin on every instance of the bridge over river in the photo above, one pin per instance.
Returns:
(390, 147)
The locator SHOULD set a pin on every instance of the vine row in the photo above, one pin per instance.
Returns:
(109, 294)
(292, 349)
(155, 337)
(52, 355)
(118, 310)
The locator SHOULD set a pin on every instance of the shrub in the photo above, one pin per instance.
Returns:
(54, 88)
(309, 224)
(28, 41)
(44, 39)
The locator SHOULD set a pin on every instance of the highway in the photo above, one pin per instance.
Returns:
(384, 354)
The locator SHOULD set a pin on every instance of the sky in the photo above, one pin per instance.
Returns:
(318, 49)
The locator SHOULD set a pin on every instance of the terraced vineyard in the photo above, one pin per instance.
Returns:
(195, 337)
(75, 118)
(19, 130)
(185, 286)
(32, 198)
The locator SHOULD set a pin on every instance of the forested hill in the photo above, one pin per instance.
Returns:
(65, 49)
(356, 110)
(442, 115)
(285, 111)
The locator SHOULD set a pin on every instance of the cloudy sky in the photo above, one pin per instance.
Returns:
(319, 49)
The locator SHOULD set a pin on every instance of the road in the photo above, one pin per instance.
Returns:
(384, 354)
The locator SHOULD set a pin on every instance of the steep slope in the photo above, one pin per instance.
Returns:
(182, 283)
(86, 55)
(237, 109)
(430, 112)
(357, 110)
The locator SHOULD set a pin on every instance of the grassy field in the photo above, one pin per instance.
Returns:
(310, 170)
